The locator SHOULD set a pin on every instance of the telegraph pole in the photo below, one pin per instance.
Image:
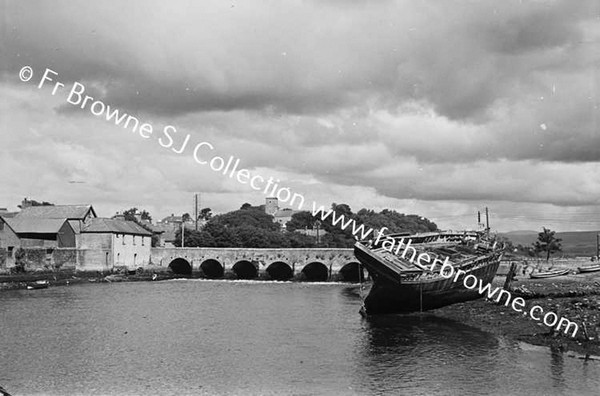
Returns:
(598, 247)
(196, 210)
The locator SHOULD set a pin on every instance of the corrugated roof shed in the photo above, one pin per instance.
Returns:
(34, 226)
(115, 226)
(70, 212)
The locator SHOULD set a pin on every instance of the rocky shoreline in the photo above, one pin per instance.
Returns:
(575, 297)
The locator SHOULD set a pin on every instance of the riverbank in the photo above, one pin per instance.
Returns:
(63, 278)
(575, 297)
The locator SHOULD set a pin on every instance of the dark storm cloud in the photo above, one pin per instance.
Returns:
(416, 100)
(460, 57)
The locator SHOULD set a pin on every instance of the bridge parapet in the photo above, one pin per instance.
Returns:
(267, 262)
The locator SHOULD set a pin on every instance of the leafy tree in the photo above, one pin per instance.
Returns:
(250, 226)
(145, 215)
(222, 235)
(251, 216)
(394, 221)
(33, 202)
(186, 217)
(130, 215)
(300, 221)
(297, 240)
(194, 238)
(205, 214)
(547, 242)
(20, 259)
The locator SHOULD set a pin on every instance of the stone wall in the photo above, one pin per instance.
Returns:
(64, 258)
(37, 260)
(94, 260)
(3, 260)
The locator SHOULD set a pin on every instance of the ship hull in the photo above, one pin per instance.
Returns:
(388, 295)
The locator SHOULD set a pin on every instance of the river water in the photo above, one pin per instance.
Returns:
(196, 337)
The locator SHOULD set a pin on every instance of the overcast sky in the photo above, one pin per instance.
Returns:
(438, 108)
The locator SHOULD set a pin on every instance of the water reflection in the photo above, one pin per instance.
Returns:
(557, 368)
(195, 337)
(407, 351)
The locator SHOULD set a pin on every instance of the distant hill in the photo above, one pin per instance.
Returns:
(577, 243)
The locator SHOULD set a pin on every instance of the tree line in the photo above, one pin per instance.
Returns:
(251, 227)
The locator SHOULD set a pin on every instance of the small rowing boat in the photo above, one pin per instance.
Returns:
(41, 284)
(549, 274)
(589, 268)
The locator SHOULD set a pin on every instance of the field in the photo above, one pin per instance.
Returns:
(574, 244)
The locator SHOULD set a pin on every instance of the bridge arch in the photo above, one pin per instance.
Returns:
(244, 269)
(212, 269)
(352, 272)
(280, 271)
(181, 266)
(316, 272)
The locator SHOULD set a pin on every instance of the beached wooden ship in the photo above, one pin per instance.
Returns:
(402, 284)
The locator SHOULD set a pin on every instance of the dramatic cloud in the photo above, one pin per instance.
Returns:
(433, 107)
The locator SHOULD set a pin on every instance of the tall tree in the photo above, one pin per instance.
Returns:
(300, 221)
(547, 242)
(205, 214)
(130, 214)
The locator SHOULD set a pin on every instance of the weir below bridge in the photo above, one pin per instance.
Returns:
(274, 264)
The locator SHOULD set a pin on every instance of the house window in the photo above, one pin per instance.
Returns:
(118, 258)
(142, 241)
(123, 239)
(133, 239)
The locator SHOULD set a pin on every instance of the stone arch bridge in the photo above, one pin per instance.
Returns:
(275, 264)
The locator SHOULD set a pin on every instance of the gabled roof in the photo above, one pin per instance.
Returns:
(34, 226)
(69, 212)
(75, 225)
(114, 226)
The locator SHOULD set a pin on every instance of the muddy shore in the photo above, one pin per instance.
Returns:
(575, 297)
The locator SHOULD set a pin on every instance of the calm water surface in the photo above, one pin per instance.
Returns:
(192, 337)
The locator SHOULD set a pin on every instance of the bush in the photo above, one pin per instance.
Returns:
(20, 260)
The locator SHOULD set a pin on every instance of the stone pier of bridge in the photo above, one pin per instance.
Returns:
(321, 264)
